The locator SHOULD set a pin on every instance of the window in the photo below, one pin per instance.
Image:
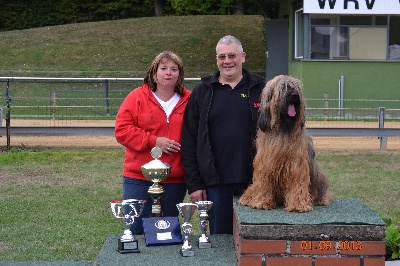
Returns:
(352, 37)
(299, 34)
(394, 38)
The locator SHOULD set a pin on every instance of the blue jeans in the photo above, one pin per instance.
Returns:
(221, 213)
(137, 189)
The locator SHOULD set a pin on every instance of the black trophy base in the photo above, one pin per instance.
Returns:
(187, 253)
(128, 247)
(204, 244)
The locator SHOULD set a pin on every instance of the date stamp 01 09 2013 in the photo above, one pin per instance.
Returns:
(327, 245)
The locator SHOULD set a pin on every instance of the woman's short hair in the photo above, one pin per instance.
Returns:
(150, 77)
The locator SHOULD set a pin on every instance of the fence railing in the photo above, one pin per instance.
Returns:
(39, 104)
(68, 98)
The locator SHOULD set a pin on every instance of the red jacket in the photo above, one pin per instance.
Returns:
(140, 120)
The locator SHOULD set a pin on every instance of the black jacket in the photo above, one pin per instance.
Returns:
(197, 156)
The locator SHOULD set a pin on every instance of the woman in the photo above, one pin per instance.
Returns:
(151, 115)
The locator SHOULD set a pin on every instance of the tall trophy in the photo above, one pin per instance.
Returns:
(127, 210)
(156, 171)
(204, 207)
(186, 210)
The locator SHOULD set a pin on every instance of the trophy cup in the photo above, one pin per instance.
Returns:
(186, 210)
(156, 171)
(204, 207)
(127, 210)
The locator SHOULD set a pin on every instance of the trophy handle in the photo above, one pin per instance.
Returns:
(116, 208)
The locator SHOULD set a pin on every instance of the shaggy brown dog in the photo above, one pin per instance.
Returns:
(285, 170)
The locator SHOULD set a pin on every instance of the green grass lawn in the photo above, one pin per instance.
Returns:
(125, 48)
(54, 202)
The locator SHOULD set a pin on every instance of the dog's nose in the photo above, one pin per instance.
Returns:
(294, 96)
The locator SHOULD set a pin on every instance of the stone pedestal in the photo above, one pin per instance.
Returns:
(347, 232)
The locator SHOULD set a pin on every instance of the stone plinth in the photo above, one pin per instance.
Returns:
(347, 232)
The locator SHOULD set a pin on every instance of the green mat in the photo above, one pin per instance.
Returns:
(47, 263)
(222, 253)
(341, 211)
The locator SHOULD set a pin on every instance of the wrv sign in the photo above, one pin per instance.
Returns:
(352, 6)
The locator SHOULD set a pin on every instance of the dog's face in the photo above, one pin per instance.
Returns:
(290, 102)
(282, 105)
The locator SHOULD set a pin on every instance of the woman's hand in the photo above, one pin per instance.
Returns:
(167, 145)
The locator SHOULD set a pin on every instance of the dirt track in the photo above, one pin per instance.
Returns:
(337, 143)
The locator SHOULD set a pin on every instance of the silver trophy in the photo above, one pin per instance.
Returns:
(186, 210)
(204, 207)
(156, 171)
(127, 210)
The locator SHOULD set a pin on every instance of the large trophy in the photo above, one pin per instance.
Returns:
(156, 171)
(127, 210)
(204, 207)
(186, 210)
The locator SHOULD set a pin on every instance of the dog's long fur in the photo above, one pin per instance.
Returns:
(285, 170)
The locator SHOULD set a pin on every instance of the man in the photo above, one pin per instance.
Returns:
(219, 127)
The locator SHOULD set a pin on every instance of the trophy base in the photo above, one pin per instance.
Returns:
(204, 244)
(126, 251)
(128, 247)
(187, 253)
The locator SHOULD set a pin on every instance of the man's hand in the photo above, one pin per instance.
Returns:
(198, 195)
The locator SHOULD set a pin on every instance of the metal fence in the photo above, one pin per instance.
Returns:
(48, 100)
(37, 105)
(65, 99)
(99, 98)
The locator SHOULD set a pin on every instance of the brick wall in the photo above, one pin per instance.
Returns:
(307, 252)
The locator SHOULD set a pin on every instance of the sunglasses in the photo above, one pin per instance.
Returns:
(224, 56)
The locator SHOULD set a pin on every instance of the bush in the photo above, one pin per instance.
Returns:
(392, 238)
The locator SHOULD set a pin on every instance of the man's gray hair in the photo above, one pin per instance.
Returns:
(228, 39)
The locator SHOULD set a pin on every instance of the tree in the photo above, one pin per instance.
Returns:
(158, 12)
(201, 7)
(25, 14)
(266, 8)
(239, 7)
